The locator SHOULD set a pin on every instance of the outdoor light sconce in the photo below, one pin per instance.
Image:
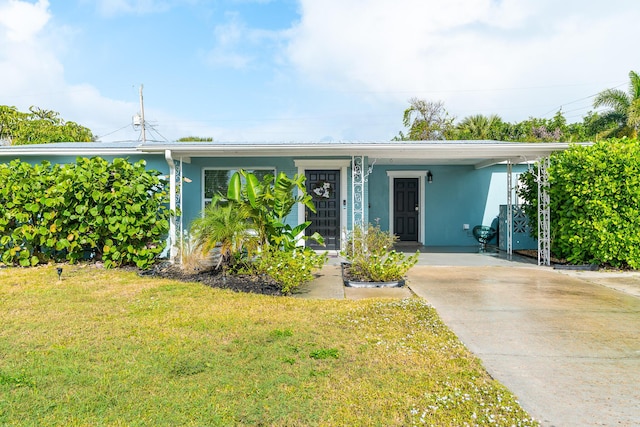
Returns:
(429, 177)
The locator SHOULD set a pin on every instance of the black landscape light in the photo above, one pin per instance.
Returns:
(59, 270)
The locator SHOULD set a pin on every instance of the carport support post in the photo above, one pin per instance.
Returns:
(509, 208)
(544, 213)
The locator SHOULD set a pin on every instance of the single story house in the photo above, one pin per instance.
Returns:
(429, 192)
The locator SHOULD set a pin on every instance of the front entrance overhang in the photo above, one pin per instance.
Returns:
(480, 154)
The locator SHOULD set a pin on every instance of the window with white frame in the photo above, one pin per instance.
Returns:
(216, 180)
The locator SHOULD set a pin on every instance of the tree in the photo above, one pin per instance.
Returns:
(623, 116)
(39, 126)
(480, 127)
(195, 139)
(426, 120)
(9, 117)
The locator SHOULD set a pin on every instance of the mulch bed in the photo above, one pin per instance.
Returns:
(215, 279)
(533, 253)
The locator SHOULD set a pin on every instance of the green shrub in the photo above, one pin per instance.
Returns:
(595, 203)
(372, 257)
(115, 212)
(290, 269)
(268, 203)
(249, 227)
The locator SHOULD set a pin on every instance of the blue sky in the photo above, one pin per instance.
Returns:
(308, 70)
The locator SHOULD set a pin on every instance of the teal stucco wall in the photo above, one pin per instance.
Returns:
(193, 191)
(458, 195)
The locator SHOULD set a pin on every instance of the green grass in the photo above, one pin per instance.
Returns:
(106, 347)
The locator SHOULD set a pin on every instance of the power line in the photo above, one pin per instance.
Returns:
(117, 130)
(578, 100)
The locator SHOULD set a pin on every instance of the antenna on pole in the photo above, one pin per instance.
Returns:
(142, 122)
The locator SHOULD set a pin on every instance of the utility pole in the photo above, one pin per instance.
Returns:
(143, 124)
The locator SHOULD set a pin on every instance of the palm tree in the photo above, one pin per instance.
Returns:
(479, 126)
(226, 226)
(623, 115)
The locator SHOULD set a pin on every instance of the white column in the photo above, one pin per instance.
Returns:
(544, 213)
(357, 192)
(509, 208)
(172, 206)
(358, 178)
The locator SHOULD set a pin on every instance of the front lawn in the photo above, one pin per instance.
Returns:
(107, 347)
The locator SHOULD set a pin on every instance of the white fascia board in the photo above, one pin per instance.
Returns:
(20, 152)
(453, 151)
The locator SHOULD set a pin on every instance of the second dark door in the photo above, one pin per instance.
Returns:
(405, 208)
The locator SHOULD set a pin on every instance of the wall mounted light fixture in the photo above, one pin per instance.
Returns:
(429, 177)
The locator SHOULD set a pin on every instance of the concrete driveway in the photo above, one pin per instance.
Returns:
(568, 347)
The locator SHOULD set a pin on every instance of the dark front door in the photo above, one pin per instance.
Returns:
(405, 208)
(324, 187)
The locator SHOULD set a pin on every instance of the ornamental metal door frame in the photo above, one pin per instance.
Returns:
(176, 227)
(509, 208)
(544, 213)
(339, 164)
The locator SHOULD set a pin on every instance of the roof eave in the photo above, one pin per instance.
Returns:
(490, 153)
(21, 152)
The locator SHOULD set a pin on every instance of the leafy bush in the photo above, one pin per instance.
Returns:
(528, 191)
(594, 202)
(289, 269)
(267, 204)
(372, 257)
(115, 212)
(249, 228)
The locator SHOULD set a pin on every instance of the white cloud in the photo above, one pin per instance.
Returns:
(117, 7)
(355, 64)
(228, 42)
(473, 54)
(20, 21)
(238, 46)
(27, 61)
(32, 74)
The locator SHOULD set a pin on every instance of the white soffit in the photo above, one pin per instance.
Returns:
(480, 154)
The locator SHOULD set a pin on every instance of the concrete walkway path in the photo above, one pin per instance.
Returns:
(565, 345)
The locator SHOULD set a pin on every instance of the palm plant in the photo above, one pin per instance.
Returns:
(267, 204)
(479, 126)
(224, 226)
(623, 116)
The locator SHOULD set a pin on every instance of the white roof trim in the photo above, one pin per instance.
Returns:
(478, 153)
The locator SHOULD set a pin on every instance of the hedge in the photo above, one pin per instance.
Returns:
(595, 203)
(111, 211)
(595, 196)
